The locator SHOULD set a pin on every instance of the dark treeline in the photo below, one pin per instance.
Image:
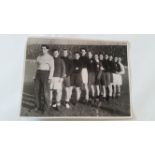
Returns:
(34, 50)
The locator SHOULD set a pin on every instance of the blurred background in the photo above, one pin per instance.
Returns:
(115, 50)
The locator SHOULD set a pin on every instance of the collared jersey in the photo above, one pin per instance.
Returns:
(68, 65)
(91, 65)
(60, 69)
(84, 61)
(108, 66)
(111, 67)
(77, 66)
(97, 65)
(116, 67)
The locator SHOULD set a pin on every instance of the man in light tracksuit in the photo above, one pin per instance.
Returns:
(42, 78)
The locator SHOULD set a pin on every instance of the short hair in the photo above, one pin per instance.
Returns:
(76, 53)
(44, 45)
(55, 50)
(120, 57)
(83, 49)
(90, 52)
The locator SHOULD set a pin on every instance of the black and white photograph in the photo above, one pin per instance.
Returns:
(76, 78)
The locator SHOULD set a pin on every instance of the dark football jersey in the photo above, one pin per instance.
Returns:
(111, 67)
(68, 65)
(76, 66)
(84, 61)
(116, 67)
(106, 66)
(97, 65)
(91, 65)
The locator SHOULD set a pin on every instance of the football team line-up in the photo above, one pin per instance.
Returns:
(100, 76)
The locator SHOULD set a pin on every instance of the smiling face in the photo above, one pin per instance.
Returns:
(77, 56)
(110, 57)
(90, 55)
(106, 56)
(65, 53)
(83, 52)
(116, 59)
(96, 57)
(101, 57)
(56, 53)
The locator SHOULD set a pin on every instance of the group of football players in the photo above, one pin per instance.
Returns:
(95, 78)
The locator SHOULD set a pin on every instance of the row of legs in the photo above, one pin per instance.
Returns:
(113, 90)
(94, 90)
